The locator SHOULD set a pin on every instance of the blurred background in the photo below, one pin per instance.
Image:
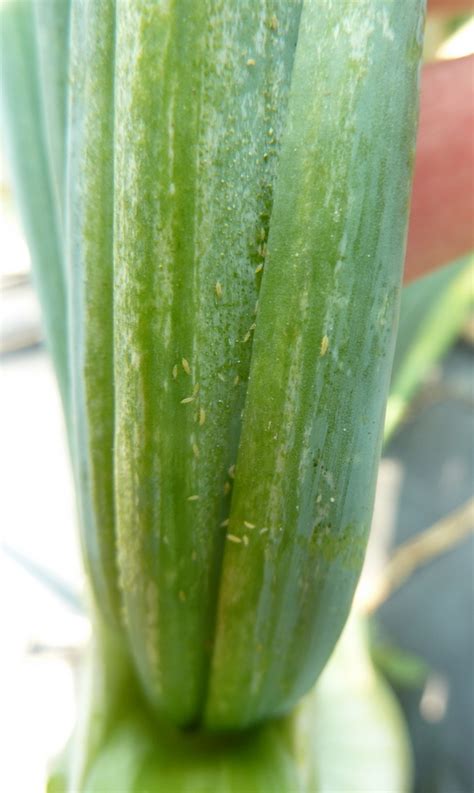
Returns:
(422, 604)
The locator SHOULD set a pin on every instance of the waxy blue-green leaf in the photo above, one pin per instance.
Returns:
(89, 261)
(322, 355)
(202, 158)
(433, 311)
(26, 154)
(200, 100)
(315, 750)
(52, 41)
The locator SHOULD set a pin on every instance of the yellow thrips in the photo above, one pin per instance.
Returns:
(249, 525)
(233, 538)
(324, 346)
(249, 332)
(186, 400)
(185, 365)
(202, 416)
(192, 498)
(273, 24)
(175, 371)
(218, 290)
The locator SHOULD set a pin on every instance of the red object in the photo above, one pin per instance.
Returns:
(450, 6)
(442, 212)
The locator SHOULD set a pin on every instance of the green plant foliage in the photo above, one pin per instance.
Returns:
(221, 291)
(433, 311)
(24, 138)
(346, 735)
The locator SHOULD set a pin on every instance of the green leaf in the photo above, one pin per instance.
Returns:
(215, 147)
(47, 578)
(321, 359)
(52, 41)
(26, 155)
(347, 735)
(200, 100)
(433, 311)
(89, 258)
(400, 667)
